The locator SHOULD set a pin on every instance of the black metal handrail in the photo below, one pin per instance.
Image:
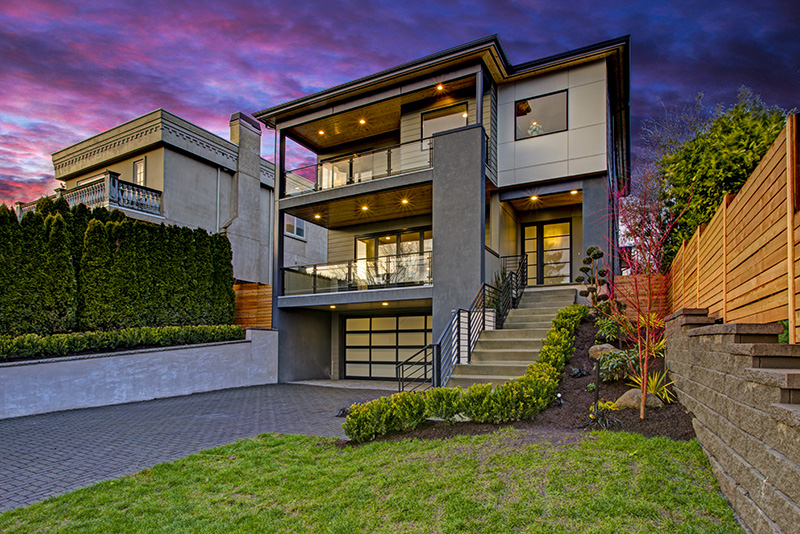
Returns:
(488, 310)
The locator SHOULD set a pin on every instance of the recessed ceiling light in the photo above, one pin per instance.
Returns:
(317, 216)
(534, 197)
(364, 208)
(322, 132)
(573, 192)
(439, 87)
(404, 201)
(362, 121)
(333, 306)
(384, 303)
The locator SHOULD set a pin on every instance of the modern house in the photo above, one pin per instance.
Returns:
(431, 177)
(163, 169)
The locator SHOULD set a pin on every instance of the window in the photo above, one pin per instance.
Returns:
(443, 119)
(138, 172)
(295, 227)
(540, 115)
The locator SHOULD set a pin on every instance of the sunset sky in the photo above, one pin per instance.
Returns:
(71, 69)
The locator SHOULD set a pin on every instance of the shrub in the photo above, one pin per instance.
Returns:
(443, 403)
(657, 385)
(408, 410)
(35, 346)
(618, 364)
(476, 401)
(367, 421)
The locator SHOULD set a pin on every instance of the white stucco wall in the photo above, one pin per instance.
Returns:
(581, 149)
(42, 386)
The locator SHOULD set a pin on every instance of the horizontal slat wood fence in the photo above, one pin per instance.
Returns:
(253, 305)
(634, 291)
(743, 265)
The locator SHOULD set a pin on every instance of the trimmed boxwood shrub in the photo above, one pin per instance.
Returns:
(29, 346)
(517, 399)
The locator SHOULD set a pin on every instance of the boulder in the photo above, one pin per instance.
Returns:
(633, 399)
(598, 350)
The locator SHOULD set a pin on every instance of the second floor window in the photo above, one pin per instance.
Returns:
(540, 115)
(138, 172)
(443, 119)
(295, 227)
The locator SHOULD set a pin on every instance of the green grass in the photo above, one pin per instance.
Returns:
(608, 483)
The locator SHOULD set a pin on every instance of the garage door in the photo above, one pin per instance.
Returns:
(373, 346)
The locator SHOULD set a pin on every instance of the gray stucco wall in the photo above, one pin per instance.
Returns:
(458, 221)
(42, 386)
(596, 216)
(305, 344)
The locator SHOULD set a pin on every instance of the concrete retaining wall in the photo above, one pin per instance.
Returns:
(41, 386)
(742, 387)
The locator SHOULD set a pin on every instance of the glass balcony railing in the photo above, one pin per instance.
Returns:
(361, 167)
(374, 273)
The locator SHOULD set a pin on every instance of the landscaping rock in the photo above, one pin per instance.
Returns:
(577, 372)
(598, 350)
(633, 399)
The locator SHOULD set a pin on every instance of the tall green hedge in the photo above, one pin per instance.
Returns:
(65, 270)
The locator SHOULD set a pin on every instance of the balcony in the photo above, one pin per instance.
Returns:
(360, 167)
(107, 191)
(381, 272)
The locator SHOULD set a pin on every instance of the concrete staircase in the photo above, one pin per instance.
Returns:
(501, 355)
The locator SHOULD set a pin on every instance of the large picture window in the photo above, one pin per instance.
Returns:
(540, 115)
(443, 119)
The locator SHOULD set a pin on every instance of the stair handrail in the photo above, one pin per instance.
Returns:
(455, 344)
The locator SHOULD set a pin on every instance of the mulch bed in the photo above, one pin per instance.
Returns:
(567, 422)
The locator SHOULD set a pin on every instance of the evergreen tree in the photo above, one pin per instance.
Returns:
(94, 306)
(59, 294)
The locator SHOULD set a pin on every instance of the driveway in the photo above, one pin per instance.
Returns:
(50, 454)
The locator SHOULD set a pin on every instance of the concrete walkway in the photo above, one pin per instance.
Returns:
(50, 454)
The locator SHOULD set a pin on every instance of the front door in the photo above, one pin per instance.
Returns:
(549, 250)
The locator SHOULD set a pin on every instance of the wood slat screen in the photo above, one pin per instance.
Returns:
(253, 305)
(744, 264)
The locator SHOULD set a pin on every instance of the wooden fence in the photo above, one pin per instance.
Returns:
(253, 305)
(743, 265)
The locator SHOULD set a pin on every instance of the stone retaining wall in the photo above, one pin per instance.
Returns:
(743, 388)
(41, 386)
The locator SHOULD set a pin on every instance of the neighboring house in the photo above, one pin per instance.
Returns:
(429, 177)
(163, 169)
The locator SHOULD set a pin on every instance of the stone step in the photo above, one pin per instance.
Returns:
(509, 369)
(549, 308)
(786, 413)
(776, 377)
(505, 355)
(526, 325)
(507, 344)
(466, 381)
(515, 333)
(531, 315)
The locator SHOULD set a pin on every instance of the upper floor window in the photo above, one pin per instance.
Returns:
(540, 115)
(443, 119)
(295, 227)
(138, 172)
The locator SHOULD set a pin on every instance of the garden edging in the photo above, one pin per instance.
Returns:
(90, 380)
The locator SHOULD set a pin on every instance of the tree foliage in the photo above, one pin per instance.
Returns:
(713, 160)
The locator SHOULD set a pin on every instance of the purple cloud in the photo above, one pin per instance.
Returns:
(72, 69)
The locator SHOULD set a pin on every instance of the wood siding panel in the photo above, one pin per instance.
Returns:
(253, 305)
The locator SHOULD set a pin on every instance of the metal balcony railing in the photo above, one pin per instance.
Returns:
(360, 167)
(374, 273)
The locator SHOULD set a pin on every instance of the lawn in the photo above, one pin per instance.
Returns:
(608, 482)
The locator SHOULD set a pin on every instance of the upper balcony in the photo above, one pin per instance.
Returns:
(360, 167)
(106, 190)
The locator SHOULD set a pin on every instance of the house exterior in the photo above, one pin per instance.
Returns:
(431, 177)
(163, 169)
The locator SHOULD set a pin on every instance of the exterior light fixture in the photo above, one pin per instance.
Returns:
(573, 192)
(333, 306)
(534, 197)
(362, 121)
(317, 216)
(384, 303)
(364, 208)
(322, 132)
(465, 115)
(404, 201)
(440, 87)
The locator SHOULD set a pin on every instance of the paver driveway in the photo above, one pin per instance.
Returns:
(50, 454)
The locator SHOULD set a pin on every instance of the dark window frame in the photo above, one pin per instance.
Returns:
(566, 114)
